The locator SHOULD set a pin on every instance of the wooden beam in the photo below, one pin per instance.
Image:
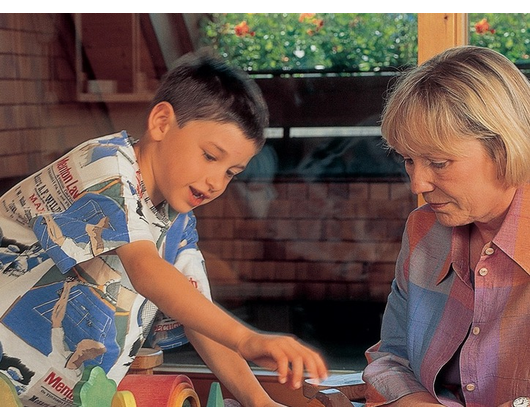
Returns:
(153, 45)
(183, 35)
(439, 31)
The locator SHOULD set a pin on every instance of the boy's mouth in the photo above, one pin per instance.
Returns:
(197, 194)
(197, 197)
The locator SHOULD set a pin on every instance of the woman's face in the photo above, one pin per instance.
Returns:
(460, 189)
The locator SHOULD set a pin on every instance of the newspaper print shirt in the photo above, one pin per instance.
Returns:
(66, 302)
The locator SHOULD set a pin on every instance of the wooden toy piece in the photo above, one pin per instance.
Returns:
(351, 386)
(215, 397)
(160, 390)
(183, 395)
(123, 399)
(94, 389)
(146, 360)
(333, 398)
(8, 393)
(230, 402)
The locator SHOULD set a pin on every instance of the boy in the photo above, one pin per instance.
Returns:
(107, 236)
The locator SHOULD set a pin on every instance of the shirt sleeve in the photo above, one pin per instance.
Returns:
(91, 226)
(189, 259)
(389, 375)
(102, 217)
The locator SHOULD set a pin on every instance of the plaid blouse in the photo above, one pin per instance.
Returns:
(437, 307)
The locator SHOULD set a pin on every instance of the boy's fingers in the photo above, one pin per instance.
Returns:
(282, 368)
(305, 360)
(297, 371)
(292, 358)
(316, 368)
(313, 364)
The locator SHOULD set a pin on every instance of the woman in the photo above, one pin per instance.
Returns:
(456, 330)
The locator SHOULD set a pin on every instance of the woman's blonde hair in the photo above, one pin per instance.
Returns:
(463, 93)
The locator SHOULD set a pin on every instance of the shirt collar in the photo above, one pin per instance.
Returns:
(513, 236)
(459, 256)
(515, 225)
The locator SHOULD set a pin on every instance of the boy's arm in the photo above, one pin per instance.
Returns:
(232, 370)
(161, 283)
(165, 286)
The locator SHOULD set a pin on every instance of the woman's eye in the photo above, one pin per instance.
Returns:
(208, 157)
(438, 164)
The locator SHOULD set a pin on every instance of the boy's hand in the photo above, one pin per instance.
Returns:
(283, 354)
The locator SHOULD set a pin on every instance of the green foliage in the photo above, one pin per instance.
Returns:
(507, 33)
(313, 41)
(345, 42)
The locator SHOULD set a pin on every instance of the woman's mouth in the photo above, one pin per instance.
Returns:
(437, 206)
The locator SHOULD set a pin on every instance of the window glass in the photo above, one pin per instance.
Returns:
(507, 33)
(285, 42)
(305, 240)
(290, 42)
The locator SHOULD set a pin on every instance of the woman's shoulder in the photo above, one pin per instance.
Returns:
(423, 213)
(422, 221)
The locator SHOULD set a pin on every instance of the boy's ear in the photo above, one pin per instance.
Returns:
(160, 119)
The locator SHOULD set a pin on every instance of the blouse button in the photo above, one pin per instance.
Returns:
(476, 330)
(470, 387)
(483, 271)
(489, 251)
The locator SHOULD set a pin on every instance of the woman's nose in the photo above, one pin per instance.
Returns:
(420, 179)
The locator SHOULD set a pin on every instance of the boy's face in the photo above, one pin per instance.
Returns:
(194, 164)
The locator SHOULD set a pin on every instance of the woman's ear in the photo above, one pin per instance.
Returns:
(160, 119)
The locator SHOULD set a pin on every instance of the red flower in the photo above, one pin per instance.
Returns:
(311, 19)
(304, 16)
(482, 26)
(243, 29)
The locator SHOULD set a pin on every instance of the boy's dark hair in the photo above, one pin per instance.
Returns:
(201, 86)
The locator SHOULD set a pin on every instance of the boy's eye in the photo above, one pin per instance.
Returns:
(232, 174)
(208, 157)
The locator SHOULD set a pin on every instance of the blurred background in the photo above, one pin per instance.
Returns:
(305, 240)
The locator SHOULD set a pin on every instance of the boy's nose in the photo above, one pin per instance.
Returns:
(215, 183)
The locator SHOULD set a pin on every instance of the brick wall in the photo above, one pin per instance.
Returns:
(40, 117)
(310, 241)
(280, 240)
